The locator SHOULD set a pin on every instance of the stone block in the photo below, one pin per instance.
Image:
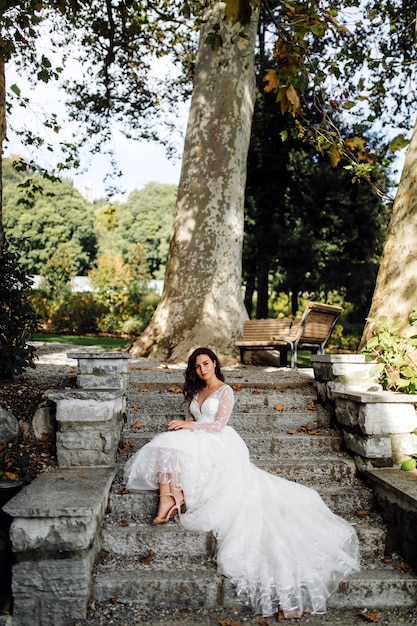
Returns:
(403, 446)
(387, 418)
(53, 534)
(86, 406)
(63, 493)
(58, 578)
(369, 447)
(26, 611)
(9, 426)
(44, 422)
(64, 611)
(105, 381)
(88, 446)
(99, 363)
(347, 412)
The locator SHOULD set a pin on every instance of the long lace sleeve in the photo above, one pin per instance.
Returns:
(224, 411)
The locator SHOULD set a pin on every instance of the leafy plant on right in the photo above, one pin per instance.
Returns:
(395, 356)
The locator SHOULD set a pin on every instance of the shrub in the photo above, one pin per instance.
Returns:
(18, 320)
(395, 356)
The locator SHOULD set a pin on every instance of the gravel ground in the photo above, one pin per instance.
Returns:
(55, 370)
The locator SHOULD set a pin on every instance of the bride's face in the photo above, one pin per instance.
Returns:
(205, 367)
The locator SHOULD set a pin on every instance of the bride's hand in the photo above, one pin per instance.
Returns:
(178, 424)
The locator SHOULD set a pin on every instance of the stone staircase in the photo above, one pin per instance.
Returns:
(289, 434)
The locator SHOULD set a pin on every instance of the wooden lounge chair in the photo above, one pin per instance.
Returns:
(258, 335)
(312, 331)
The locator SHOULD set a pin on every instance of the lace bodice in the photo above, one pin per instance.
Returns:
(214, 412)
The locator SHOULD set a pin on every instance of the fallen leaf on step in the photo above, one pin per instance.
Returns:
(175, 389)
(312, 407)
(362, 513)
(280, 388)
(369, 617)
(145, 560)
(256, 392)
(403, 567)
(127, 446)
(136, 407)
(144, 389)
(291, 432)
(123, 523)
(227, 622)
(112, 600)
(137, 425)
(237, 386)
(279, 407)
(123, 492)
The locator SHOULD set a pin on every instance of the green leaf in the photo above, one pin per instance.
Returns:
(408, 465)
(15, 90)
(398, 143)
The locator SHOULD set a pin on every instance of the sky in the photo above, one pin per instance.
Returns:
(140, 162)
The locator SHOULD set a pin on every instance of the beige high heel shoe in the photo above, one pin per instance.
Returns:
(178, 496)
(171, 513)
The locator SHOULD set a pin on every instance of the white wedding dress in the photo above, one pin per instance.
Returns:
(276, 540)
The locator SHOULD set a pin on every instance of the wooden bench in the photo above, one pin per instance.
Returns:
(259, 335)
(311, 332)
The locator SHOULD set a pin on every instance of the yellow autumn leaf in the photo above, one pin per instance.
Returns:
(231, 11)
(137, 425)
(279, 407)
(334, 156)
(271, 81)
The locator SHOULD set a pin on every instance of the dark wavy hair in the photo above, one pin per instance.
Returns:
(193, 383)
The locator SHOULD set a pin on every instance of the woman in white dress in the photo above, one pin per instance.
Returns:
(277, 541)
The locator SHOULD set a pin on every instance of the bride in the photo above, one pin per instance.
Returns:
(277, 541)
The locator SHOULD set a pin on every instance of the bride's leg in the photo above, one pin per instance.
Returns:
(166, 498)
(177, 492)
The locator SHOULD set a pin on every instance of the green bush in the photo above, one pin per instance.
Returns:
(395, 355)
(18, 320)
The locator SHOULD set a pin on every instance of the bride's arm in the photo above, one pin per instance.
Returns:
(223, 413)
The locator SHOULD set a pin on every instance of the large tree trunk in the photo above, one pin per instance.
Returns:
(2, 138)
(395, 295)
(202, 303)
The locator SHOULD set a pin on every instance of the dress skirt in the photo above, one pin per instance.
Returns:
(277, 541)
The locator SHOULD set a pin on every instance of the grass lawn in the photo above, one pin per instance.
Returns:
(109, 343)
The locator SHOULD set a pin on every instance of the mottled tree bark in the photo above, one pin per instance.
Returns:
(202, 303)
(2, 138)
(395, 295)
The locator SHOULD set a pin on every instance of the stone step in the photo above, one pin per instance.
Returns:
(141, 506)
(190, 585)
(251, 422)
(171, 541)
(269, 442)
(165, 401)
(323, 471)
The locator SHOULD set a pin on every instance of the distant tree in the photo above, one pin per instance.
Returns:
(55, 214)
(147, 218)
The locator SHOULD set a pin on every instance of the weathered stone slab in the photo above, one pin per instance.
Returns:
(65, 492)
(9, 426)
(370, 447)
(396, 494)
(387, 418)
(403, 445)
(44, 421)
(101, 362)
(62, 533)
(82, 405)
